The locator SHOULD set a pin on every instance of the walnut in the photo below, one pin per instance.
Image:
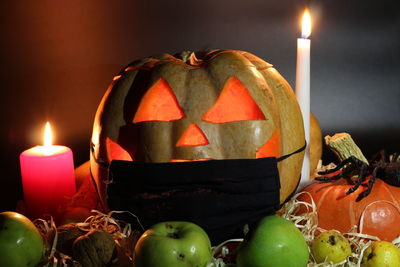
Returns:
(66, 236)
(94, 249)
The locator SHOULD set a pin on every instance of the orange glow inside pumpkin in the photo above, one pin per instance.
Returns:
(158, 104)
(187, 160)
(193, 136)
(271, 148)
(116, 152)
(234, 104)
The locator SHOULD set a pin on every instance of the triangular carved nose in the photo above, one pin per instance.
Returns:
(193, 136)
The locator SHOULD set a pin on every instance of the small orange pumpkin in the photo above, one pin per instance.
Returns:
(378, 214)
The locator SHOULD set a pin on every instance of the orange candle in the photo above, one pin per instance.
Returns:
(48, 177)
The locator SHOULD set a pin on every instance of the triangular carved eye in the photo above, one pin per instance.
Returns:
(158, 104)
(234, 104)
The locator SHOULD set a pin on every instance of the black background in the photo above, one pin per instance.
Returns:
(58, 57)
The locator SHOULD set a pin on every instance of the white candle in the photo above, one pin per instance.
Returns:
(303, 90)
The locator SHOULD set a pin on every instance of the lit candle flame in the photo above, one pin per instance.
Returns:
(48, 138)
(306, 24)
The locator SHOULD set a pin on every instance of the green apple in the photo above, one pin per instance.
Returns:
(330, 246)
(20, 241)
(381, 253)
(273, 242)
(173, 244)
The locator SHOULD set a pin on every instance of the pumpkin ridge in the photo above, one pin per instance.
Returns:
(217, 88)
(242, 72)
(256, 61)
(322, 198)
(110, 99)
(264, 68)
(352, 215)
(290, 123)
(390, 194)
(176, 130)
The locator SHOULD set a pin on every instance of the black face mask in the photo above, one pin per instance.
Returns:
(221, 196)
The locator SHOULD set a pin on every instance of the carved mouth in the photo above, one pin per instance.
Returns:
(187, 160)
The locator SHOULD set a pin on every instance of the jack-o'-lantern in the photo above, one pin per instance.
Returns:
(214, 105)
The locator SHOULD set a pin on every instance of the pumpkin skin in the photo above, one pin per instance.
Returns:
(339, 211)
(315, 144)
(196, 83)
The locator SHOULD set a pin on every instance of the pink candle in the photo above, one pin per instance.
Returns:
(48, 177)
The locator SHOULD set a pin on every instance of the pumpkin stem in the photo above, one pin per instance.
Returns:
(185, 56)
(190, 58)
(344, 147)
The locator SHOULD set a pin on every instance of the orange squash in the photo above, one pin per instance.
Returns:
(315, 143)
(378, 214)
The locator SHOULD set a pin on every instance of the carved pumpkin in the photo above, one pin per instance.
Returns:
(336, 210)
(212, 105)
